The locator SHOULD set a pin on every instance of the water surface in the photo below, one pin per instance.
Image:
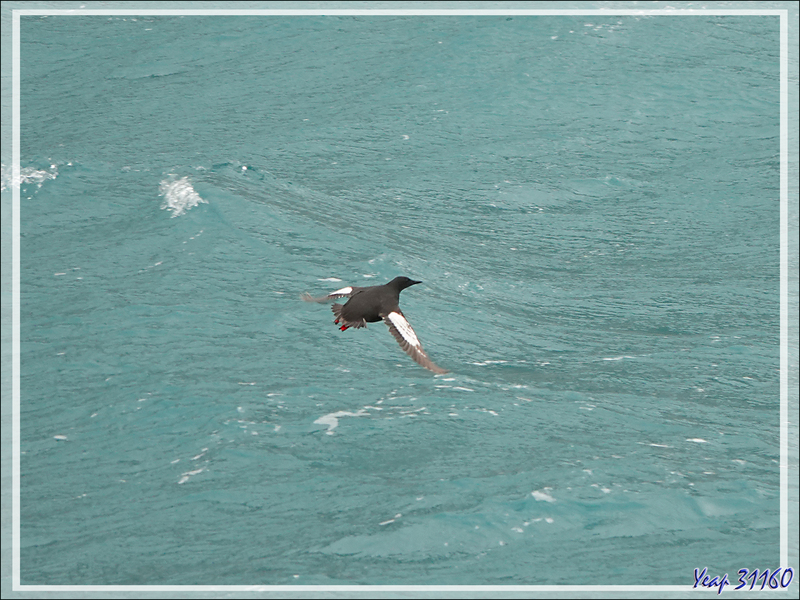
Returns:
(592, 204)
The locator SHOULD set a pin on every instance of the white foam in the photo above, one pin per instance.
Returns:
(189, 474)
(179, 195)
(332, 419)
(330, 279)
(542, 496)
(26, 175)
(697, 440)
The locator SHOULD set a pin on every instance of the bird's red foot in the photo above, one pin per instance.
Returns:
(343, 327)
(336, 322)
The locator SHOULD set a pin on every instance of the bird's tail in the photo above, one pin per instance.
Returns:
(337, 312)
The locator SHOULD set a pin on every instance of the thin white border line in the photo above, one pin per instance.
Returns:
(361, 588)
(15, 301)
(401, 12)
(784, 274)
(15, 291)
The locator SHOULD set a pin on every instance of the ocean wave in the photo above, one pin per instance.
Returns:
(179, 195)
(26, 175)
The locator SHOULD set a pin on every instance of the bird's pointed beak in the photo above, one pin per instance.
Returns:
(415, 282)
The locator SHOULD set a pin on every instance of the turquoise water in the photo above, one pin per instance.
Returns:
(592, 204)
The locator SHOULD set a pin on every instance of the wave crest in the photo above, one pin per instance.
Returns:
(26, 175)
(179, 195)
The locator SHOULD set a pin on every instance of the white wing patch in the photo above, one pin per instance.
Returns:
(402, 326)
(345, 291)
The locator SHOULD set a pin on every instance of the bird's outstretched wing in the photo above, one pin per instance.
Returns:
(345, 292)
(405, 336)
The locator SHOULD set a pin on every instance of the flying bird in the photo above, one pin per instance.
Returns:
(378, 303)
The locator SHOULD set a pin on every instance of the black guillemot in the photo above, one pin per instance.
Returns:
(378, 303)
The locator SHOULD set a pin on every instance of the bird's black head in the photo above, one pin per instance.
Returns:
(402, 283)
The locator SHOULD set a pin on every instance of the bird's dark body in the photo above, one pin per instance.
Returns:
(370, 303)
